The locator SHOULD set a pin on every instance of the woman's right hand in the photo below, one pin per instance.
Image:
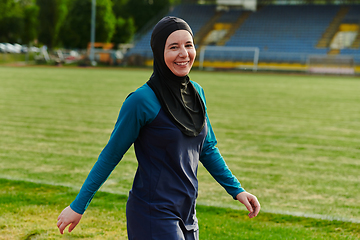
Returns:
(66, 217)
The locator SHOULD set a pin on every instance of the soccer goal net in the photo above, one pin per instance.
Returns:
(229, 57)
(336, 64)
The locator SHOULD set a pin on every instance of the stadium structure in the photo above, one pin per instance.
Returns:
(294, 35)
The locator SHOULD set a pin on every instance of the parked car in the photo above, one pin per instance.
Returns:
(24, 49)
(11, 48)
(2, 47)
(17, 47)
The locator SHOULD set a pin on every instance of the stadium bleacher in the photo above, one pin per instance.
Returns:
(284, 29)
(353, 16)
(283, 33)
(229, 16)
(195, 15)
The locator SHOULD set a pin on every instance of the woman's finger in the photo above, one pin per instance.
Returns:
(72, 226)
(256, 206)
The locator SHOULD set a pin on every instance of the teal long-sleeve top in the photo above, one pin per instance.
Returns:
(142, 122)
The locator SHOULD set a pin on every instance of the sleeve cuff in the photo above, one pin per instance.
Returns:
(77, 210)
(240, 190)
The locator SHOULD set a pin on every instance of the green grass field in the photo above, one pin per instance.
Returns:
(292, 140)
(7, 58)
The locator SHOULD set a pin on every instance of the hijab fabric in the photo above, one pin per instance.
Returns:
(177, 95)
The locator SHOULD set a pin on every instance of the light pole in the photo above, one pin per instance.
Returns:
(92, 36)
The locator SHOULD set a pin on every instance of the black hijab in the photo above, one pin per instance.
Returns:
(177, 95)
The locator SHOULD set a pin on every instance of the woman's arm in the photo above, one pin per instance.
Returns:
(215, 164)
(139, 109)
(213, 161)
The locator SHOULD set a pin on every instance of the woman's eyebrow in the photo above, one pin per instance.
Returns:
(172, 44)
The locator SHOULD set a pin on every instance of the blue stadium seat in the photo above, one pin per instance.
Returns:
(285, 29)
(195, 15)
(283, 33)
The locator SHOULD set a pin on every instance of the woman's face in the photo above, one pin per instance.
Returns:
(179, 53)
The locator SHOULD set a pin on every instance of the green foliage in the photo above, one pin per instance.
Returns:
(141, 11)
(67, 22)
(119, 8)
(144, 10)
(31, 23)
(76, 30)
(51, 17)
(11, 21)
(125, 29)
(105, 21)
(18, 21)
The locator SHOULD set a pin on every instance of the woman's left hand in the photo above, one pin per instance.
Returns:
(250, 202)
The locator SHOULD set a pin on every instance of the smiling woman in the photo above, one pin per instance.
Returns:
(166, 120)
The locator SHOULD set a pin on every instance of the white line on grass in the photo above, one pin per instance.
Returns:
(295, 214)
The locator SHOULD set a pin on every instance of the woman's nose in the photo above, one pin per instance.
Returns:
(183, 52)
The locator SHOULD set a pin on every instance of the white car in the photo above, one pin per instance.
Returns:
(17, 47)
(24, 49)
(11, 48)
(2, 47)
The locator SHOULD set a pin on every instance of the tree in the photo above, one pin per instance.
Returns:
(11, 21)
(141, 11)
(125, 24)
(51, 17)
(120, 9)
(76, 30)
(144, 10)
(124, 31)
(31, 23)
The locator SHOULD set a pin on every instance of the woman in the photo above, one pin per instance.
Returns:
(167, 122)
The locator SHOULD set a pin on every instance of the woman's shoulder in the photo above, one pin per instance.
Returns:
(143, 94)
(143, 98)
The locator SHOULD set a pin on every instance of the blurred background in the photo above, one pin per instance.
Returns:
(321, 36)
